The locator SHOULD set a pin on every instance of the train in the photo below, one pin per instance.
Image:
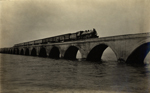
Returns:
(79, 35)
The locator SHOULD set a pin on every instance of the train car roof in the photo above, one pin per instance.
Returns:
(49, 37)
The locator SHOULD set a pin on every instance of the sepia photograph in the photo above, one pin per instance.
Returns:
(74, 46)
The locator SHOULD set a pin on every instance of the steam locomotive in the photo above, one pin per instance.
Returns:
(62, 38)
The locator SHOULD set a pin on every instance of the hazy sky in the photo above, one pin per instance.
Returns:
(26, 20)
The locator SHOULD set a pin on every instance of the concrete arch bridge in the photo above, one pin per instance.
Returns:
(131, 48)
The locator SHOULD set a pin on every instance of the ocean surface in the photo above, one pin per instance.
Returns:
(27, 74)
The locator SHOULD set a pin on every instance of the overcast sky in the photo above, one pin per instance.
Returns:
(26, 20)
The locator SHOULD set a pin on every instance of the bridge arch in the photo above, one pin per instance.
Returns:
(22, 52)
(71, 52)
(136, 45)
(96, 52)
(16, 51)
(8, 51)
(139, 52)
(42, 52)
(54, 52)
(33, 52)
(27, 51)
(11, 51)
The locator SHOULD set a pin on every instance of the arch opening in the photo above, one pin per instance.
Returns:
(27, 51)
(97, 52)
(42, 52)
(16, 51)
(22, 52)
(71, 53)
(139, 54)
(54, 53)
(108, 55)
(11, 52)
(33, 52)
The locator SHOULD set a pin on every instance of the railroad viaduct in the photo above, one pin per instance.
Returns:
(130, 48)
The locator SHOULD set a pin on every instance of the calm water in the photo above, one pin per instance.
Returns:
(27, 74)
